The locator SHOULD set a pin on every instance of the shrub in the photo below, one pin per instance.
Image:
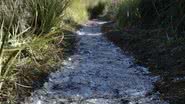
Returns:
(128, 13)
(164, 14)
(168, 14)
(97, 10)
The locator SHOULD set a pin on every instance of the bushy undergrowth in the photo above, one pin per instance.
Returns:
(128, 13)
(97, 10)
(149, 14)
(153, 30)
(163, 57)
(34, 35)
(165, 19)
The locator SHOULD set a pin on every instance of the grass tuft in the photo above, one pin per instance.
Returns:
(31, 44)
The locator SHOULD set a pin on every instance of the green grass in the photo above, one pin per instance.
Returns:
(32, 42)
(149, 14)
(46, 15)
(35, 36)
(11, 45)
(77, 12)
(128, 13)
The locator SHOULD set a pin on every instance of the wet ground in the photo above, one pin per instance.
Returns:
(98, 73)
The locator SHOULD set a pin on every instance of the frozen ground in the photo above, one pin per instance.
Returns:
(98, 73)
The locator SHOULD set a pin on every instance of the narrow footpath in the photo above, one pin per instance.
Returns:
(98, 73)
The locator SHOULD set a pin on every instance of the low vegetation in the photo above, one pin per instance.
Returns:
(35, 36)
(153, 31)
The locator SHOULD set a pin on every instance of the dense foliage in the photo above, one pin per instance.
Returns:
(97, 10)
(163, 14)
(153, 30)
(34, 34)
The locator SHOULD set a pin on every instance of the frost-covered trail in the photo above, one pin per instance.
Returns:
(98, 73)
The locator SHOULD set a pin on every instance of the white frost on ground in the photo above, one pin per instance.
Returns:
(98, 73)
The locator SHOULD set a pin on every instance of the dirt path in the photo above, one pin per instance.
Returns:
(98, 73)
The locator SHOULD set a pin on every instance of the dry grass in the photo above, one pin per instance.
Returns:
(31, 40)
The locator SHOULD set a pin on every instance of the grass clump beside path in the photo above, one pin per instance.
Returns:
(34, 35)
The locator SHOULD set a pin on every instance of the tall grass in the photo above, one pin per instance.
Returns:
(111, 9)
(128, 13)
(77, 12)
(30, 35)
(32, 41)
(163, 14)
(46, 14)
(157, 39)
(12, 45)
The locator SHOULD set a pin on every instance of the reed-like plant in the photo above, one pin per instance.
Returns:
(11, 46)
(46, 15)
(29, 34)
(128, 13)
